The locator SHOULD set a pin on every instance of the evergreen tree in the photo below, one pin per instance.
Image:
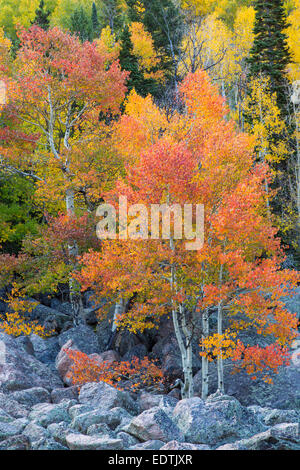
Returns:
(270, 54)
(81, 24)
(162, 18)
(130, 63)
(42, 16)
(95, 21)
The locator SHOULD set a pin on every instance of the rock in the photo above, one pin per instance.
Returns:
(12, 407)
(19, 442)
(284, 393)
(59, 394)
(90, 316)
(48, 317)
(12, 428)
(21, 370)
(63, 362)
(102, 394)
(154, 424)
(139, 351)
(215, 420)
(127, 439)
(154, 444)
(47, 444)
(283, 436)
(45, 349)
(98, 429)
(107, 356)
(31, 396)
(82, 442)
(5, 417)
(26, 344)
(289, 431)
(79, 410)
(148, 400)
(35, 433)
(292, 302)
(167, 404)
(83, 338)
(113, 418)
(270, 417)
(62, 307)
(59, 431)
(174, 445)
(45, 413)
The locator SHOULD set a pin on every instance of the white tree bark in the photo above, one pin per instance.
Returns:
(205, 333)
(220, 365)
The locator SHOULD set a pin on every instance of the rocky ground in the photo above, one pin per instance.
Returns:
(39, 410)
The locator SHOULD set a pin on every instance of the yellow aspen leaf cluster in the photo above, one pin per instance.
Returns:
(144, 50)
(218, 345)
(261, 106)
(15, 322)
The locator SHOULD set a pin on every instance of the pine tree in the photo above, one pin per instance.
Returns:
(161, 18)
(95, 21)
(42, 16)
(81, 24)
(270, 54)
(130, 63)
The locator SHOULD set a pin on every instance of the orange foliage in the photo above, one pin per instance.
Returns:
(135, 375)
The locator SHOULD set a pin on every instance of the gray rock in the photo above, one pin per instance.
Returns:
(45, 413)
(22, 371)
(127, 439)
(289, 431)
(47, 444)
(154, 444)
(78, 409)
(12, 428)
(12, 407)
(174, 445)
(167, 404)
(19, 442)
(217, 419)
(139, 351)
(102, 394)
(45, 349)
(154, 424)
(113, 418)
(5, 417)
(59, 431)
(83, 338)
(35, 433)
(59, 394)
(100, 429)
(292, 302)
(63, 362)
(270, 416)
(82, 442)
(48, 317)
(32, 396)
(283, 436)
(148, 400)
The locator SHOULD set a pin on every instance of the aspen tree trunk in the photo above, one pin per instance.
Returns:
(183, 337)
(74, 287)
(220, 365)
(205, 333)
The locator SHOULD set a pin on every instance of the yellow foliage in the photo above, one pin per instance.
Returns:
(144, 50)
(107, 43)
(198, 7)
(15, 324)
(261, 106)
(294, 42)
(218, 346)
